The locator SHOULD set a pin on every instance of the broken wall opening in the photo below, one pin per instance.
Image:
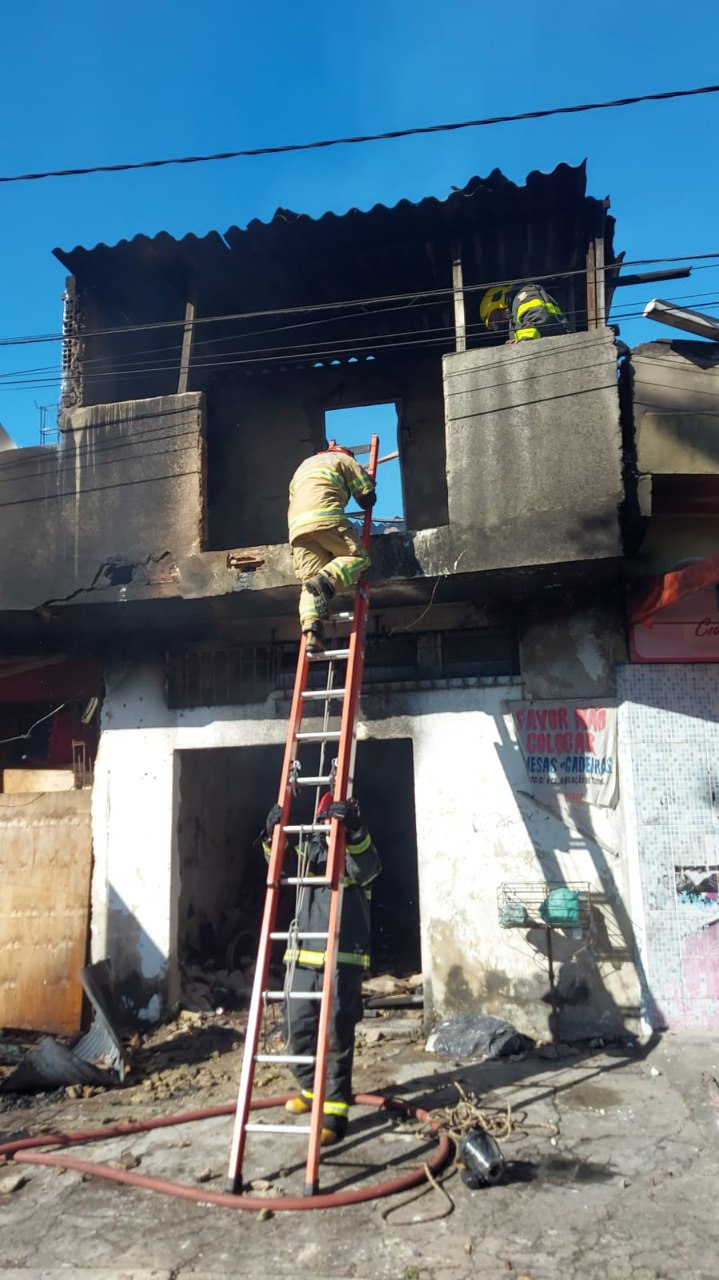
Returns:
(263, 423)
(225, 794)
(356, 425)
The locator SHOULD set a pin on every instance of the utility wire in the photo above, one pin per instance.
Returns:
(156, 360)
(417, 297)
(367, 137)
(151, 354)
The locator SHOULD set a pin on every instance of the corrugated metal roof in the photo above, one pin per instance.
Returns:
(516, 229)
(505, 231)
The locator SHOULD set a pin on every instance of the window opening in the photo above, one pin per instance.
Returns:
(357, 426)
(214, 676)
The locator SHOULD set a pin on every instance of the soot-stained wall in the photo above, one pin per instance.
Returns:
(126, 484)
(261, 427)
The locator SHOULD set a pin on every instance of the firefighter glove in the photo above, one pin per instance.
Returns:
(367, 500)
(346, 812)
(273, 818)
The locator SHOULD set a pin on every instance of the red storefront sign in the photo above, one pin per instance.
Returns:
(685, 631)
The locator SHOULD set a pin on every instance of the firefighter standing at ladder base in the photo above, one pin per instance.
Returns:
(327, 555)
(527, 310)
(306, 962)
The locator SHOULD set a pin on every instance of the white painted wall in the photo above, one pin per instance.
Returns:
(474, 831)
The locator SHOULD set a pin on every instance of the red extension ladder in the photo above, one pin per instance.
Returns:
(337, 774)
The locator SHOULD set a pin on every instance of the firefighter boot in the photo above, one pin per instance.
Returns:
(300, 1105)
(322, 588)
(334, 1129)
(315, 638)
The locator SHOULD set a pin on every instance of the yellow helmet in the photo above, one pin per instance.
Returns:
(493, 300)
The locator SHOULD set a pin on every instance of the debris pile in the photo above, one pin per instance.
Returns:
(388, 992)
(206, 989)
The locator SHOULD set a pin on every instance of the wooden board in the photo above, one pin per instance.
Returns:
(22, 781)
(45, 868)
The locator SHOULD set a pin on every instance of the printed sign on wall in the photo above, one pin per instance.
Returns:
(569, 749)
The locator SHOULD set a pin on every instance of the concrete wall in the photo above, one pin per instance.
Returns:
(124, 488)
(117, 513)
(534, 451)
(676, 407)
(475, 830)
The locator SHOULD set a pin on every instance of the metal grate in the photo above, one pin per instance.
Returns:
(212, 676)
(545, 905)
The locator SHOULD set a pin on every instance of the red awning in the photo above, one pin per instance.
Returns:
(654, 594)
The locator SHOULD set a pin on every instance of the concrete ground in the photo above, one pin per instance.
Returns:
(612, 1173)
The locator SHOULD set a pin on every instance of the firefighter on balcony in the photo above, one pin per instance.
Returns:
(327, 555)
(306, 962)
(526, 310)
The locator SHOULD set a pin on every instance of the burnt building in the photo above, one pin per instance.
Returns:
(198, 373)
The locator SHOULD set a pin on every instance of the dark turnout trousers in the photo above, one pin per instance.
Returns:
(304, 1017)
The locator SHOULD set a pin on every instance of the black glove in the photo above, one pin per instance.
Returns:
(367, 500)
(273, 818)
(347, 812)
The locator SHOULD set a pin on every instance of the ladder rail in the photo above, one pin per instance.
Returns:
(274, 873)
(336, 846)
(343, 770)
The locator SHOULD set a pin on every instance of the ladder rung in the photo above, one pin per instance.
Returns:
(303, 828)
(327, 735)
(293, 995)
(328, 655)
(315, 881)
(277, 1128)
(305, 1059)
(301, 937)
(313, 782)
(316, 695)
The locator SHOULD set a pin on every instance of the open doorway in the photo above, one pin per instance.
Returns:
(225, 794)
(350, 427)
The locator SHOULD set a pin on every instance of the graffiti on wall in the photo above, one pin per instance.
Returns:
(697, 886)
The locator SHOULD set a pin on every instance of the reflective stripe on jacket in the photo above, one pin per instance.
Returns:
(534, 313)
(362, 866)
(320, 490)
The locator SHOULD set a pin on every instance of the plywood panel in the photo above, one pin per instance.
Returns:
(45, 867)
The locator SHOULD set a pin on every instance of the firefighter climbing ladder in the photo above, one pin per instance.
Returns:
(338, 776)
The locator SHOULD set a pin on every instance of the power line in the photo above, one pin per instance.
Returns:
(413, 297)
(367, 137)
(340, 351)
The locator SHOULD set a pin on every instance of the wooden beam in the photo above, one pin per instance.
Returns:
(591, 286)
(683, 318)
(186, 353)
(599, 281)
(460, 328)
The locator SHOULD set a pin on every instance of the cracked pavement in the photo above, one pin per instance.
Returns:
(611, 1176)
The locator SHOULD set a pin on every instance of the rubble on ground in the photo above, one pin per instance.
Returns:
(478, 1036)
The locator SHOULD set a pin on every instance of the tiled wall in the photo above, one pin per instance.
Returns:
(671, 719)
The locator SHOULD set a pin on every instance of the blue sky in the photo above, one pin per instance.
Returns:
(91, 84)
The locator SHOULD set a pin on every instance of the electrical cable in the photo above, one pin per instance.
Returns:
(386, 136)
(352, 352)
(317, 307)
(115, 364)
(24, 737)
